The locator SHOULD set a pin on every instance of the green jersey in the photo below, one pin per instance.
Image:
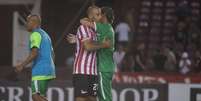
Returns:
(105, 55)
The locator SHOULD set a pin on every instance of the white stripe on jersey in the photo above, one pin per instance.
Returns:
(94, 65)
(85, 61)
(88, 63)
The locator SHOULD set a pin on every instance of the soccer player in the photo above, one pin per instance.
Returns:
(85, 80)
(104, 55)
(42, 56)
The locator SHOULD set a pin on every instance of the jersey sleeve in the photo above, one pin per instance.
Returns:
(35, 40)
(82, 33)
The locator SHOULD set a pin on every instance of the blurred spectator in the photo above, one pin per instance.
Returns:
(170, 63)
(128, 62)
(123, 30)
(182, 34)
(184, 64)
(140, 59)
(118, 56)
(187, 32)
(183, 10)
(195, 35)
(197, 62)
(130, 19)
(149, 61)
(159, 60)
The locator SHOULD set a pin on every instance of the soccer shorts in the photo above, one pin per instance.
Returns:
(85, 85)
(39, 87)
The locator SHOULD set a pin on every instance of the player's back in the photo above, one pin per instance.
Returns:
(105, 55)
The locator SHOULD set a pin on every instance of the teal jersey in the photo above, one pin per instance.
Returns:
(43, 66)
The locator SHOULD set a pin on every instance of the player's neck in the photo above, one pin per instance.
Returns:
(105, 21)
(37, 27)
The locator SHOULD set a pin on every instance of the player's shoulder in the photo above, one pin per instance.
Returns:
(82, 27)
(98, 24)
(35, 35)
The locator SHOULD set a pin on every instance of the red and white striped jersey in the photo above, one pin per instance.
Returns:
(85, 61)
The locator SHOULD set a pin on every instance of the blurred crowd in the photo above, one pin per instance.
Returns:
(183, 56)
(164, 59)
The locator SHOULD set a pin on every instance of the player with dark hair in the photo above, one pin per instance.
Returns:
(105, 55)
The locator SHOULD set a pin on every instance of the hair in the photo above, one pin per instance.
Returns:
(36, 17)
(90, 8)
(109, 13)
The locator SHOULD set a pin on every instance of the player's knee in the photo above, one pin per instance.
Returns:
(36, 97)
(43, 98)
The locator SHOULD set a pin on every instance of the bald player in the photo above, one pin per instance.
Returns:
(104, 55)
(85, 79)
(41, 54)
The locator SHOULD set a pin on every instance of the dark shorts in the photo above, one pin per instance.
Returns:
(85, 85)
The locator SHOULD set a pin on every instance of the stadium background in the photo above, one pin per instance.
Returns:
(152, 22)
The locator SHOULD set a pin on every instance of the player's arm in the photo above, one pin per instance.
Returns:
(71, 38)
(33, 54)
(35, 40)
(94, 45)
(88, 44)
(87, 22)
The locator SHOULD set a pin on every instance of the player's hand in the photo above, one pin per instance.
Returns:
(106, 43)
(19, 68)
(71, 38)
(87, 22)
(84, 21)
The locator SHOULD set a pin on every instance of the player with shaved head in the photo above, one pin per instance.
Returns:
(41, 54)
